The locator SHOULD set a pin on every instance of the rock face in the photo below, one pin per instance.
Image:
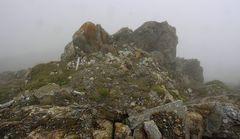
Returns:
(190, 71)
(89, 38)
(154, 36)
(151, 36)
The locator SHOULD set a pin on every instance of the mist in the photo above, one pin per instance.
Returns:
(34, 31)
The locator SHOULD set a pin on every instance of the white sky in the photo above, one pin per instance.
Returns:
(33, 31)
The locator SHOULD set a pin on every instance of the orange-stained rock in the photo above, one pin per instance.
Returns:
(89, 30)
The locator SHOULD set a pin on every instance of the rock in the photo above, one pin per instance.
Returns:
(155, 36)
(69, 52)
(7, 104)
(191, 70)
(176, 106)
(89, 38)
(79, 93)
(122, 35)
(139, 133)
(151, 130)
(41, 134)
(121, 131)
(105, 131)
(221, 119)
(170, 124)
(47, 90)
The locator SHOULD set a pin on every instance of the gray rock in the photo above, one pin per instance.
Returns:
(155, 36)
(222, 119)
(191, 71)
(47, 90)
(69, 52)
(122, 35)
(152, 130)
(139, 133)
(176, 106)
(7, 104)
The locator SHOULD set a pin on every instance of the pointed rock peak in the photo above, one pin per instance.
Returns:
(156, 25)
(88, 29)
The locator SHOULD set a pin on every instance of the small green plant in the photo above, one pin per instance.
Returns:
(103, 92)
(160, 89)
(100, 94)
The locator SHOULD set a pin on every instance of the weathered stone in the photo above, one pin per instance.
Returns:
(139, 133)
(176, 106)
(105, 131)
(152, 130)
(69, 52)
(122, 35)
(121, 131)
(191, 70)
(155, 36)
(47, 90)
(220, 116)
(7, 104)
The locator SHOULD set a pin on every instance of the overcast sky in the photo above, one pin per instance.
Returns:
(33, 31)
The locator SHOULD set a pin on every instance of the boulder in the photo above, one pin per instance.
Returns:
(121, 131)
(151, 130)
(221, 116)
(88, 39)
(105, 131)
(139, 133)
(155, 36)
(69, 52)
(47, 90)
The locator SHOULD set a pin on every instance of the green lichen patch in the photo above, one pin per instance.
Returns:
(160, 89)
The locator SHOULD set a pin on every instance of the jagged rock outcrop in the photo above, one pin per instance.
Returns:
(189, 71)
(89, 38)
(116, 86)
(151, 36)
(155, 36)
(122, 35)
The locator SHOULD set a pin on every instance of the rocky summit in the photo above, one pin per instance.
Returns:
(128, 85)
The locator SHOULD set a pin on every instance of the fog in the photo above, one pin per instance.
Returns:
(34, 31)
